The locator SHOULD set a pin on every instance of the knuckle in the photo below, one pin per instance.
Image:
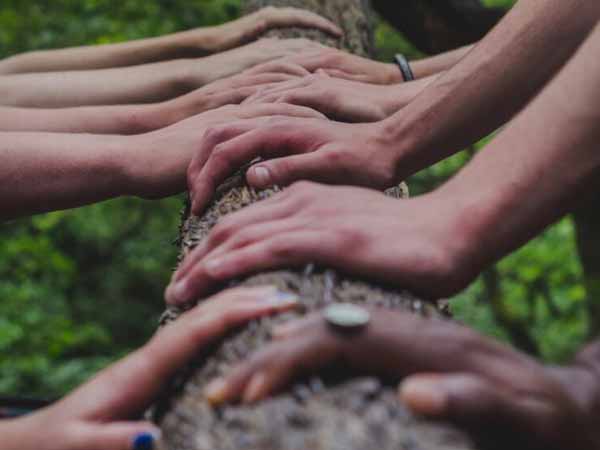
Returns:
(213, 134)
(223, 230)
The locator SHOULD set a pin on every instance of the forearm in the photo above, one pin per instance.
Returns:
(45, 171)
(13, 434)
(398, 96)
(434, 65)
(538, 169)
(141, 84)
(121, 119)
(143, 51)
(493, 82)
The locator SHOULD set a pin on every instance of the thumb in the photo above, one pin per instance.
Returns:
(117, 436)
(284, 171)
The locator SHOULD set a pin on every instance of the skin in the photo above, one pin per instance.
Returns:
(105, 412)
(533, 173)
(343, 65)
(342, 100)
(186, 44)
(519, 57)
(486, 387)
(71, 170)
(147, 83)
(137, 119)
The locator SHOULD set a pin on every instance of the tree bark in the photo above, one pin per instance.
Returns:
(338, 410)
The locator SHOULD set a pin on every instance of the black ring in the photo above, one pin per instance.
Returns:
(404, 66)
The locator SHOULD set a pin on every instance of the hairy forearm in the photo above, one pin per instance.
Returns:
(49, 171)
(493, 82)
(539, 168)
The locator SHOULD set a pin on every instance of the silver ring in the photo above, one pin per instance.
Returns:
(346, 317)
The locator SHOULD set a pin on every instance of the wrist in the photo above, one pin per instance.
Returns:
(153, 167)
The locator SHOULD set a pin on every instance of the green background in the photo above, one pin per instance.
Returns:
(81, 288)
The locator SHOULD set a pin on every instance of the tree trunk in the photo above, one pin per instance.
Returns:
(336, 411)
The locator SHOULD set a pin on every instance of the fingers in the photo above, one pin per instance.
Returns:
(225, 156)
(274, 367)
(113, 436)
(255, 217)
(335, 73)
(129, 386)
(293, 17)
(282, 250)
(281, 66)
(474, 401)
(314, 166)
(270, 110)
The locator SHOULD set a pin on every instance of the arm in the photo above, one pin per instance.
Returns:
(434, 65)
(140, 84)
(186, 44)
(49, 171)
(343, 65)
(493, 82)
(531, 175)
(447, 372)
(136, 119)
(344, 100)
(518, 58)
(104, 413)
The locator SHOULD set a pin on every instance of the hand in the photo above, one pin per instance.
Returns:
(156, 163)
(339, 99)
(252, 26)
(318, 150)
(347, 101)
(453, 374)
(418, 244)
(229, 91)
(340, 64)
(232, 62)
(98, 415)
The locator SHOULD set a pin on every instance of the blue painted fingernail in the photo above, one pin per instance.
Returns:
(144, 441)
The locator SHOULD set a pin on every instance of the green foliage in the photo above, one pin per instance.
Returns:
(80, 288)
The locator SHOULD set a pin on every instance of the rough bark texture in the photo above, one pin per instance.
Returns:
(335, 411)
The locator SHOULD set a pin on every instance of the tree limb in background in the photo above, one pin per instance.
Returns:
(435, 26)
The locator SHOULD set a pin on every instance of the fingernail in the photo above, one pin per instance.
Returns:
(213, 266)
(424, 396)
(216, 392)
(177, 293)
(282, 331)
(280, 298)
(146, 440)
(255, 388)
(262, 176)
